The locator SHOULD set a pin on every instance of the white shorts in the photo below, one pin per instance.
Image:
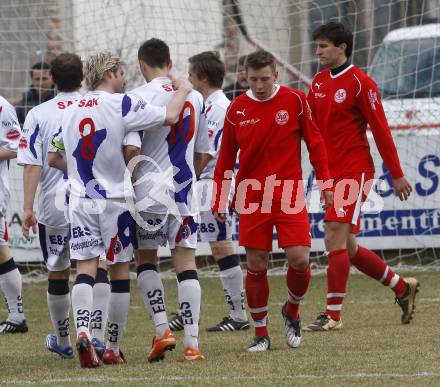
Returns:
(160, 229)
(54, 243)
(101, 226)
(3, 231)
(211, 230)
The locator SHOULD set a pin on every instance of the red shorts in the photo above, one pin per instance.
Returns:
(256, 230)
(350, 192)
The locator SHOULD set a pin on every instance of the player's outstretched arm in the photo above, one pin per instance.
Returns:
(184, 87)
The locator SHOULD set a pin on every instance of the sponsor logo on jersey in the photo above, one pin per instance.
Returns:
(8, 124)
(282, 117)
(241, 113)
(251, 121)
(318, 85)
(340, 95)
(23, 143)
(372, 96)
(140, 105)
(13, 134)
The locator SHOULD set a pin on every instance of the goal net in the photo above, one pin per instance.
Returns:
(396, 41)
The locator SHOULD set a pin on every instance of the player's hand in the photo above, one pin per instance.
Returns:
(220, 216)
(182, 83)
(326, 199)
(402, 188)
(29, 221)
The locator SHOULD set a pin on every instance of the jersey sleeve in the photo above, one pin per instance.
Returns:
(137, 114)
(10, 129)
(311, 101)
(201, 144)
(371, 106)
(30, 151)
(133, 139)
(215, 119)
(227, 156)
(314, 141)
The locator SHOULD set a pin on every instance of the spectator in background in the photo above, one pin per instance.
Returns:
(41, 90)
(240, 85)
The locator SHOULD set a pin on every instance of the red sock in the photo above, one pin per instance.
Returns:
(338, 271)
(297, 285)
(257, 294)
(372, 265)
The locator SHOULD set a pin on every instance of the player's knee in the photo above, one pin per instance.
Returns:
(298, 257)
(145, 257)
(257, 259)
(335, 237)
(58, 275)
(221, 249)
(5, 255)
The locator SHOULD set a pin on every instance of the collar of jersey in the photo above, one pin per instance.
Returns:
(161, 79)
(341, 72)
(62, 94)
(213, 95)
(252, 96)
(99, 92)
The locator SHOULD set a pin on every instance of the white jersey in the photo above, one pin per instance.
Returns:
(166, 178)
(215, 110)
(9, 139)
(40, 126)
(93, 132)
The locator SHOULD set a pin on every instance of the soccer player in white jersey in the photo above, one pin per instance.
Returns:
(206, 73)
(10, 278)
(41, 124)
(93, 131)
(53, 228)
(165, 195)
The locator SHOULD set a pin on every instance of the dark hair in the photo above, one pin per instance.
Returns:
(336, 33)
(209, 64)
(40, 66)
(242, 60)
(259, 59)
(155, 53)
(67, 72)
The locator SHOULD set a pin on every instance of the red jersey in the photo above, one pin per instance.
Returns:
(268, 135)
(343, 105)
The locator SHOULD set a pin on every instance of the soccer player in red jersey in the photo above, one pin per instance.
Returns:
(266, 125)
(344, 100)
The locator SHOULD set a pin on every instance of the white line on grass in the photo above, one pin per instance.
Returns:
(100, 379)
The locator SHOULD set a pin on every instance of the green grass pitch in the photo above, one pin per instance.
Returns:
(373, 349)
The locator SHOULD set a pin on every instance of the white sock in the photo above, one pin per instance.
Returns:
(82, 303)
(152, 291)
(117, 317)
(59, 306)
(189, 299)
(232, 281)
(10, 285)
(98, 320)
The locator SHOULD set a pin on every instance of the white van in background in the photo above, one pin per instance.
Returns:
(406, 69)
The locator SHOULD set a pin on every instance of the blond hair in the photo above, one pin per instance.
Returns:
(96, 67)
